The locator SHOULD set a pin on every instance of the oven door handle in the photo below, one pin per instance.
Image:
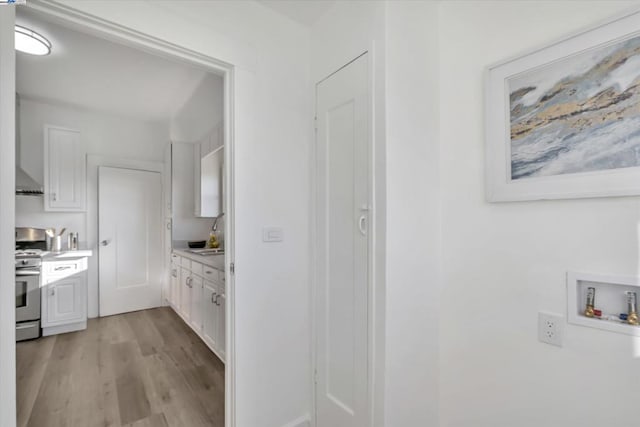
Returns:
(27, 273)
(28, 326)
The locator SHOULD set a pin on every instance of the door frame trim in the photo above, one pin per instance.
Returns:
(7, 221)
(65, 14)
(94, 163)
(375, 334)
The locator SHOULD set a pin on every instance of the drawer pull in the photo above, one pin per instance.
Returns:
(63, 267)
(208, 271)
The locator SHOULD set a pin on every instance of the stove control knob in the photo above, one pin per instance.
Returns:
(25, 262)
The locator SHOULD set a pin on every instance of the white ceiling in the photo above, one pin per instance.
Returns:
(305, 12)
(90, 72)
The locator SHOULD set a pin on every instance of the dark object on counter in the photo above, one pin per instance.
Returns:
(197, 245)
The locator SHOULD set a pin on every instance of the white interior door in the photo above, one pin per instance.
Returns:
(131, 233)
(342, 247)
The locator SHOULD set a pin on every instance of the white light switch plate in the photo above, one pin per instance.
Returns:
(272, 234)
(551, 329)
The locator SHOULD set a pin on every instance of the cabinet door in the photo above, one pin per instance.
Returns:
(210, 314)
(211, 188)
(185, 293)
(174, 292)
(196, 302)
(197, 148)
(64, 170)
(221, 301)
(64, 301)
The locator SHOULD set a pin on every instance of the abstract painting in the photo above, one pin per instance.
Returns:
(578, 114)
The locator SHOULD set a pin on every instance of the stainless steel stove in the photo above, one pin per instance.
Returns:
(31, 244)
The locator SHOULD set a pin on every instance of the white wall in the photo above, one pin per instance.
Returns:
(201, 113)
(273, 121)
(103, 134)
(505, 262)
(413, 214)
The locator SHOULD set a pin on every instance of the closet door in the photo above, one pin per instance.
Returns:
(342, 203)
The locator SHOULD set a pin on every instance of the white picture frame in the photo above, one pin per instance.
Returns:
(499, 185)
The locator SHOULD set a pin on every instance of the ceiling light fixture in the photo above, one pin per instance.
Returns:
(28, 41)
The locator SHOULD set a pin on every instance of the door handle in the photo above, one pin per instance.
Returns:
(105, 242)
(213, 296)
(53, 290)
(362, 225)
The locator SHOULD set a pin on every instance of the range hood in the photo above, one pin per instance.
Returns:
(25, 185)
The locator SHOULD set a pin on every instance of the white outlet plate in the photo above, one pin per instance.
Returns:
(551, 329)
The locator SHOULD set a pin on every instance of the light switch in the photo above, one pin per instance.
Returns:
(272, 234)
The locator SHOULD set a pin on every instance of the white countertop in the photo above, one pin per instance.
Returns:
(80, 253)
(213, 261)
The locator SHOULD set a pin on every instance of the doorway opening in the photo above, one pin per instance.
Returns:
(135, 220)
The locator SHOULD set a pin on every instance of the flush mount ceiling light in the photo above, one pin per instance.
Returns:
(30, 42)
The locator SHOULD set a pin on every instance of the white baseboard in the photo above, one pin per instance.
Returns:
(55, 330)
(303, 421)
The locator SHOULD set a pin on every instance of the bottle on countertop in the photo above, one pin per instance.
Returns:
(213, 242)
(72, 241)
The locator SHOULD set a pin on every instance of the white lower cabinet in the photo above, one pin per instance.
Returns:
(174, 291)
(64, 301)
(209, 329)
(64, 296)
(198, 295)
(196, 302)
(185, 293)
(221, 303)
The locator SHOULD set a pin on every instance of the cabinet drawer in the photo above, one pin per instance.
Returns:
(196, 268)
(186, 263)
(210, 273)
(63, 268)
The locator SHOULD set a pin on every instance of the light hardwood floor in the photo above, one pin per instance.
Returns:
(141, 369)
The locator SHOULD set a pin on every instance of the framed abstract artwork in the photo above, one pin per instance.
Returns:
(563, 121)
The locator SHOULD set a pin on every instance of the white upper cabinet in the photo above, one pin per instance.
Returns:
(211, 186)
(197, 191)
(208, 173)
(64, 170)
(213, 141)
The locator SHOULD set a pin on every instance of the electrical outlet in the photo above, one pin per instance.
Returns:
(551, 329)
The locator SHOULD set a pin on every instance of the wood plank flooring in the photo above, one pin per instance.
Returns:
(140, 369)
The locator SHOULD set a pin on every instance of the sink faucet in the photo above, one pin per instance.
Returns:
(215, 222)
